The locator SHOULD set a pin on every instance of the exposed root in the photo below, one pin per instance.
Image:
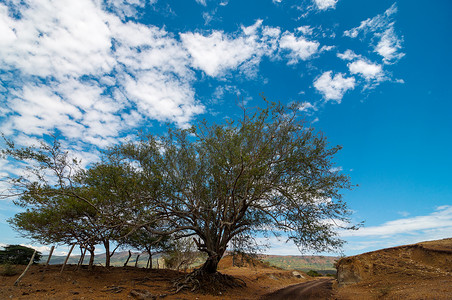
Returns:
(203, 282)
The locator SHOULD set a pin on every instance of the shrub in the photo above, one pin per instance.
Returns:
(18, 255)
(8, 270)
(313, 273)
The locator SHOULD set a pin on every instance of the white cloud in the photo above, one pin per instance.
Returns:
(306, 106)
(58, 45)
(389, 46)
(384, 41)
(373, 73)
(127, 8)
(325, 4)
(54, 38)
(299, 47)
(348, 55)
(334, 88)
(438, 221)
(77, 67)
(279, 246)
(6, 27)
(335, 170)
(375, 24)
(216, 53)
(367, 70)
(306, 30)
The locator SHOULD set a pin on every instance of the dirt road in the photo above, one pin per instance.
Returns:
(316, 289)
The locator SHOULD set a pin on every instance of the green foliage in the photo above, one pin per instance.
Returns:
(313, 273)
(18, 255)
(8, 270)
(304, 263)
(266, 170)
(219, 183)
(181, 255)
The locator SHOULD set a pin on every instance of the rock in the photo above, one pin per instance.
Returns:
(297, 274)
(142, 295)
(350, 270)
(113, 289)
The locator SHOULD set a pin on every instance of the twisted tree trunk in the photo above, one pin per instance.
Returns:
(91, 258)
(107, 253)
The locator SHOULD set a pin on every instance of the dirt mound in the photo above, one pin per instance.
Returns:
(401, 270)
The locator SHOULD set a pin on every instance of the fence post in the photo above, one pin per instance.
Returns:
(50, 255)
(67, 257)
(26, 269)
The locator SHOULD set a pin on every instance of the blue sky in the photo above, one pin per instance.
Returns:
(374, 76)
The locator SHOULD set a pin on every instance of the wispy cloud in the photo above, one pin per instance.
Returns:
(440, 220)
(384, 39)
(201, 2)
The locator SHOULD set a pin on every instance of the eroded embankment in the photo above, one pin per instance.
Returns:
(427, 259)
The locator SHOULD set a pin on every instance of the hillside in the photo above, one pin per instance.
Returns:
(117, 260)
(323, 264)
(418, 271)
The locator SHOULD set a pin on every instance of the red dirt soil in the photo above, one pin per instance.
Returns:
(419, 271)
(122, 283)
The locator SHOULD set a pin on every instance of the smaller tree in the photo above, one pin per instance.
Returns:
(143, 240)
(182, 254)
(18, 255)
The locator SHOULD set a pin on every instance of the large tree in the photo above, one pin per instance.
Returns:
(267, 171)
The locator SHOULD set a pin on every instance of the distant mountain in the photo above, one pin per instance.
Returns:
(118, 259)
(323, 264)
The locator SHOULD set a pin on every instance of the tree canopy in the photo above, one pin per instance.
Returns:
(18, 255)
(265, 172)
